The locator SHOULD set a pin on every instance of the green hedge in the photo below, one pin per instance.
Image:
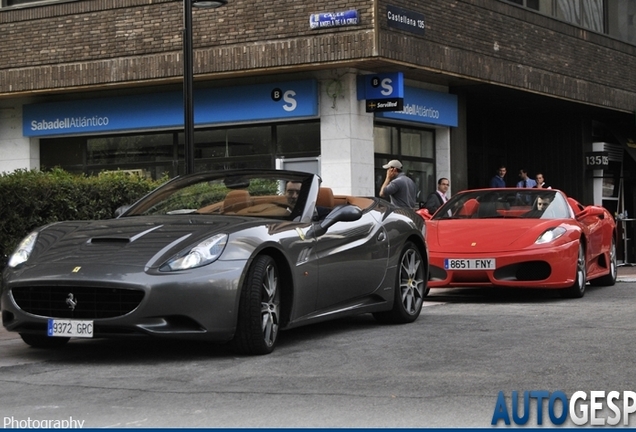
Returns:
(29, 199)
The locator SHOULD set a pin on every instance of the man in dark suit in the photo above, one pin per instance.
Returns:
(437, 198)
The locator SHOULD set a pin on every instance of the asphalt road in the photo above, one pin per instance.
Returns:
(445, 370)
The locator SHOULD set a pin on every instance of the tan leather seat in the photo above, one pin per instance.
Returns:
(325, 198)
(236, 200)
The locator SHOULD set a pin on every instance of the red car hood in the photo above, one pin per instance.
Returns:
(490, 235)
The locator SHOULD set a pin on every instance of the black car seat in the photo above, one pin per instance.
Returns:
(488, 209)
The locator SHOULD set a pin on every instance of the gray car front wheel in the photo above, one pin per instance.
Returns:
(259, 309)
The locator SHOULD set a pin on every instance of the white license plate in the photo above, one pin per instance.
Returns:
(470, 264)
(70, 328)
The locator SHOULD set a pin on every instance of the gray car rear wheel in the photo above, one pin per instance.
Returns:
(259, 309)
(410, 288)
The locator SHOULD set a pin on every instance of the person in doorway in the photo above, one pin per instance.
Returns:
(525, 182)
(498, 180)
(436, 199)
(398, 186)
(541, 184)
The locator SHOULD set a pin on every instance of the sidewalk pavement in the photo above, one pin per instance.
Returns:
(626, 273)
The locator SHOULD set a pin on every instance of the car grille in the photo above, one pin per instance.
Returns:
(90, 302)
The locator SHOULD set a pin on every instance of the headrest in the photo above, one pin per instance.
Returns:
(470, 207)
(236, 200)
(325, 198)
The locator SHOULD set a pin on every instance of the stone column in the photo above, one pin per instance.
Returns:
(16, 150)
(346, 132)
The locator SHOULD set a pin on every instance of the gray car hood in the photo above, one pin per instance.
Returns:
(139, 241)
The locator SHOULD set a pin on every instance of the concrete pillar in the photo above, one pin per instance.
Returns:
(16, 151)
(346, 132)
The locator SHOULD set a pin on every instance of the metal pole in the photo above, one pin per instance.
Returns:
(188, 102)
(188, 73)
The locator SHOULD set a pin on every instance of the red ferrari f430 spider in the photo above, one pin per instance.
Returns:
(520, 238)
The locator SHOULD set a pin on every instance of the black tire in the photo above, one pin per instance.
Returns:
(39, 341)
(410, 288)
(259, 309)
(577, 290)
(610, 278)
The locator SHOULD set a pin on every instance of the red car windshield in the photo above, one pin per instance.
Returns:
(505, 204)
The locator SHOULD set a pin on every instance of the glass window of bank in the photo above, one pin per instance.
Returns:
(414, 147)
(158, 154)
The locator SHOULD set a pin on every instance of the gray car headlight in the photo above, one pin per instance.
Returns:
(209, 250)
(550, 235)
(23, 251)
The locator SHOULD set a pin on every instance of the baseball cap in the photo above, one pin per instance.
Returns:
(393, 164)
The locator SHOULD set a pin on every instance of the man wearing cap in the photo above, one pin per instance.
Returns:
(398, 186)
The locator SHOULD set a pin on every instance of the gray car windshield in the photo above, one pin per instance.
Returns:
(506, 204)
(252, 195)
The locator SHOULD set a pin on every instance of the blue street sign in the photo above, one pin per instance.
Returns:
(334, 19)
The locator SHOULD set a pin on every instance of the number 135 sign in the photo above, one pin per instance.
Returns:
(596, 160)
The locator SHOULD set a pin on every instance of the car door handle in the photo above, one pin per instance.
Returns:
(381, 236)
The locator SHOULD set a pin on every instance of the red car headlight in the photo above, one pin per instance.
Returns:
(550, 235)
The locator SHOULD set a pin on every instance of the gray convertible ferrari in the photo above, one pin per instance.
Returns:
(233, 256)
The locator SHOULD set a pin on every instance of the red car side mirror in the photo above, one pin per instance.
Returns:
(424, 213)
(591, 211)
